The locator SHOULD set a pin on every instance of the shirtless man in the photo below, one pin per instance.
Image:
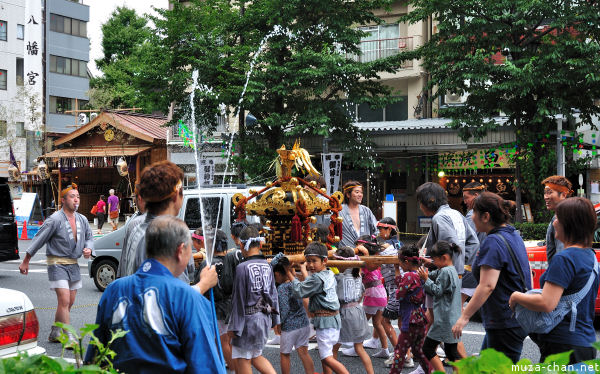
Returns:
(357, 219)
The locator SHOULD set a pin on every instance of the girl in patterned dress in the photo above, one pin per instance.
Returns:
(388, 232)
(375, 295)
(411, 313)
(355, 327)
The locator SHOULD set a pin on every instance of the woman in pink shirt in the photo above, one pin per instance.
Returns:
(101, 213)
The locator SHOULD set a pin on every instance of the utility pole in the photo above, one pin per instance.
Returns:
(560, 153)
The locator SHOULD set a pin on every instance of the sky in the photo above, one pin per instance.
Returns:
(100, 12)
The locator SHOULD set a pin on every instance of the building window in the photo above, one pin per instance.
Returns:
(2, 129)
(381, 41)
(59, 105)
(3, 79)
(20, 129)
(68, 25)
(69, 66)
(397, 111)
(3, 32)
(19, 75)
(20, 32)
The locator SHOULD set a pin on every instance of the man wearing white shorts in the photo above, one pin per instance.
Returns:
(67, 236)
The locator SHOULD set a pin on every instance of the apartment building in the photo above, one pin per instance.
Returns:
(408, 135)
(44, 52)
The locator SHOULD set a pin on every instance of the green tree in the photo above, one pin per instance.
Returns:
(302, 79)
(129, 78)
(531, 60)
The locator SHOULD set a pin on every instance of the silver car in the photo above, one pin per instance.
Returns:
(103, 267)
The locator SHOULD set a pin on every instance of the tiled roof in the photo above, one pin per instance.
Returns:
(413, 124)
(150, 125)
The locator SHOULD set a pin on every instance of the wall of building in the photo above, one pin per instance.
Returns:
(69, 46)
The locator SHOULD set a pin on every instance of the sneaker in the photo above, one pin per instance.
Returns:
(276, 340)
(71, 342)
(54, 334)
(382, 353)
(419, 370)
(440, 352)
(388, 363)
(349, 352)
(372, 343)
(410, 363)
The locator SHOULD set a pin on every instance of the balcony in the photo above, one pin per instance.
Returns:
(382, 48)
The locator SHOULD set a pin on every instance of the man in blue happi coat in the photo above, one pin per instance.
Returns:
(170, 324)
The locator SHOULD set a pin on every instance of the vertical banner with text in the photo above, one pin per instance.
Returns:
(33, 74)
(332, 168)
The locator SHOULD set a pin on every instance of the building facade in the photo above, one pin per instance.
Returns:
(62, 52)
(67, 55)
(12, 118)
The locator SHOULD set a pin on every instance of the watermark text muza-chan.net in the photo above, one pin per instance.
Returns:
(556, 367)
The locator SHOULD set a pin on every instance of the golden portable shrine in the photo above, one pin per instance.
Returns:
(290, 204)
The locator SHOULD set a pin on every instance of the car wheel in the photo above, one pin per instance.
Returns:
(105, 272)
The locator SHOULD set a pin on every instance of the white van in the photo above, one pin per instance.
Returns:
(103, 267)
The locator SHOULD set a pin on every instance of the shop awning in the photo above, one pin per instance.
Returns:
(96, 151)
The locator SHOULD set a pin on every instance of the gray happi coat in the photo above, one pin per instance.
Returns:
(553, 245)
(134, 254)
(320, 289)
(254, 287)
(368, 225)
(449, 225)
(56, 233)
(350, 290)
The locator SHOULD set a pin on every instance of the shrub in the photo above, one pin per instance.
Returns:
(532, 231)
(42, 364)
(492, 361)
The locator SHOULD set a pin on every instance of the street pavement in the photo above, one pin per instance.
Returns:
(35, 285)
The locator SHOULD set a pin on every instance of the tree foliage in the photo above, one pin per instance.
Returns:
(531, 60)
(129, 64)
(301, 80)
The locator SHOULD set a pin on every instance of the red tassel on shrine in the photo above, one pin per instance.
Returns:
(338, 229)
(296, 233)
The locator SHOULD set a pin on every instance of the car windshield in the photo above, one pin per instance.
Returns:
(193, 216)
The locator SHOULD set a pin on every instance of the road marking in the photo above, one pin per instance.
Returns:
(39, 263)
(37, 271)
(73, 307)
(68, 359)
(311, 346)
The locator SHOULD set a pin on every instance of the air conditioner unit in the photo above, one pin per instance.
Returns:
(455, 99)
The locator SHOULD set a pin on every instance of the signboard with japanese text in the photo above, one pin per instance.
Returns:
(476, 159)
(32, 64)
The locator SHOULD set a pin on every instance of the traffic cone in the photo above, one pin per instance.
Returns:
(24, 232)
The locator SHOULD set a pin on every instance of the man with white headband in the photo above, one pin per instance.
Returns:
(67, 236)
(556, 189)
(254, 306)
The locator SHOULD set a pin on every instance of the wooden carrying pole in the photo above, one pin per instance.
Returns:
(340, 264)
(364, 261)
